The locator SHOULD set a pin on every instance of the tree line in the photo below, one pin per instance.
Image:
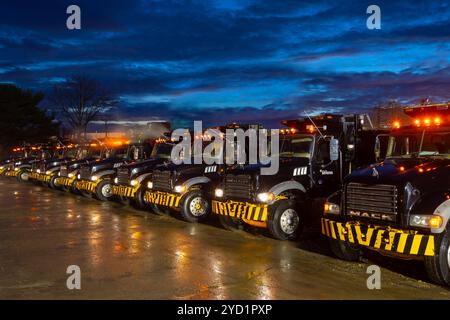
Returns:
(77, 101)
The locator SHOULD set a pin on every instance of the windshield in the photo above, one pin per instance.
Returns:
(422, 144)
(296, 147)
(162, 151)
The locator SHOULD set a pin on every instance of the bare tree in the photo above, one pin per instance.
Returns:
(81, 100)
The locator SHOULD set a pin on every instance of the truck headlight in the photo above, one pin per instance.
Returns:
(134, 182)
(78, 176)
(116, 180)
(38, 170)
(426, 221)
(265, 196)
(179, 189)
(48, 172)
(219, 193)
(331, 208)
(150, 185)
(2, 167)
(16, 169)
(70, 175)
(94, 178)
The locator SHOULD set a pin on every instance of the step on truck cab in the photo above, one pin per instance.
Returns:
(315, 154)
(127, 180)
(400, 206)
(187, 189)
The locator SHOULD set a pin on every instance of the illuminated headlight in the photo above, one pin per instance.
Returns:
(38, 170)
(218, 193)
(59, 174)
(179, 189)
(16, 169)
(150, 185)
(331, 208)
(134, 182)
(265, 197)
(18, 163)
(2, 167)
(48, 172)
(79, 176)
(426, 221)
(70, 175)
(94, 178)
(116, 180)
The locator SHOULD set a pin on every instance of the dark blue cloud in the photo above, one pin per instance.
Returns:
(225, 60)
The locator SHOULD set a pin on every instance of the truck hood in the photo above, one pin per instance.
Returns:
(400, 171)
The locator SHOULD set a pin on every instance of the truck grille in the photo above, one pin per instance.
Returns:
(42, 167)
(372, 201)
(161, 180)
(85, 173)
(63, 171)
(123, 176)
(238, 186)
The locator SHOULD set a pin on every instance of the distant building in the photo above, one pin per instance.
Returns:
(134, 130)
(383, 116)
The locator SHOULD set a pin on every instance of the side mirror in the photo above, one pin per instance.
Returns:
(334, 149)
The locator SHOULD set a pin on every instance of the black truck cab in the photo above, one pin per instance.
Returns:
(188, 188)
(400, 206)
(315, 153)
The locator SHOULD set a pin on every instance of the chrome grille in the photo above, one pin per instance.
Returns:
(85, 173)
(63, 171)
(372, 201)
(123, 176)
(238, 186)
(161, 180)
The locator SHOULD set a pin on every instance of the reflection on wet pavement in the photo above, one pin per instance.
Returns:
(128, 254)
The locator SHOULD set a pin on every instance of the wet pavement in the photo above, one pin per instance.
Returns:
(124, 253)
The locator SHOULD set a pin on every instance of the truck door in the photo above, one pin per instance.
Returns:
(325, 171)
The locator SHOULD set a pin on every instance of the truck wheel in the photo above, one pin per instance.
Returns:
(52, 181)
(103, 190)
(195, 207)
(284, 221)
(344, 250)
(230, 223)
(160, 210)
(438, 266)
(139, 198)
(22, 175)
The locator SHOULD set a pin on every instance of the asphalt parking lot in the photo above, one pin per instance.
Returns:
(124, 253)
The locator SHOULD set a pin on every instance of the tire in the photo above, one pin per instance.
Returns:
(139, 198)
(160, 210)
(195, 206)
(344, 250)
(52, 183)
(438, 266)
(284, 221)
(103, 191)
(230, 223)
(22, 176)
(123, 200)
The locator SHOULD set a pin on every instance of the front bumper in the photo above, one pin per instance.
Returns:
(40, 177)
(2, 171)
(11, 173)
(64, 181)
(86, 185)
(406, 242)
(241, 210)
(162, 198)
(124, 191)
